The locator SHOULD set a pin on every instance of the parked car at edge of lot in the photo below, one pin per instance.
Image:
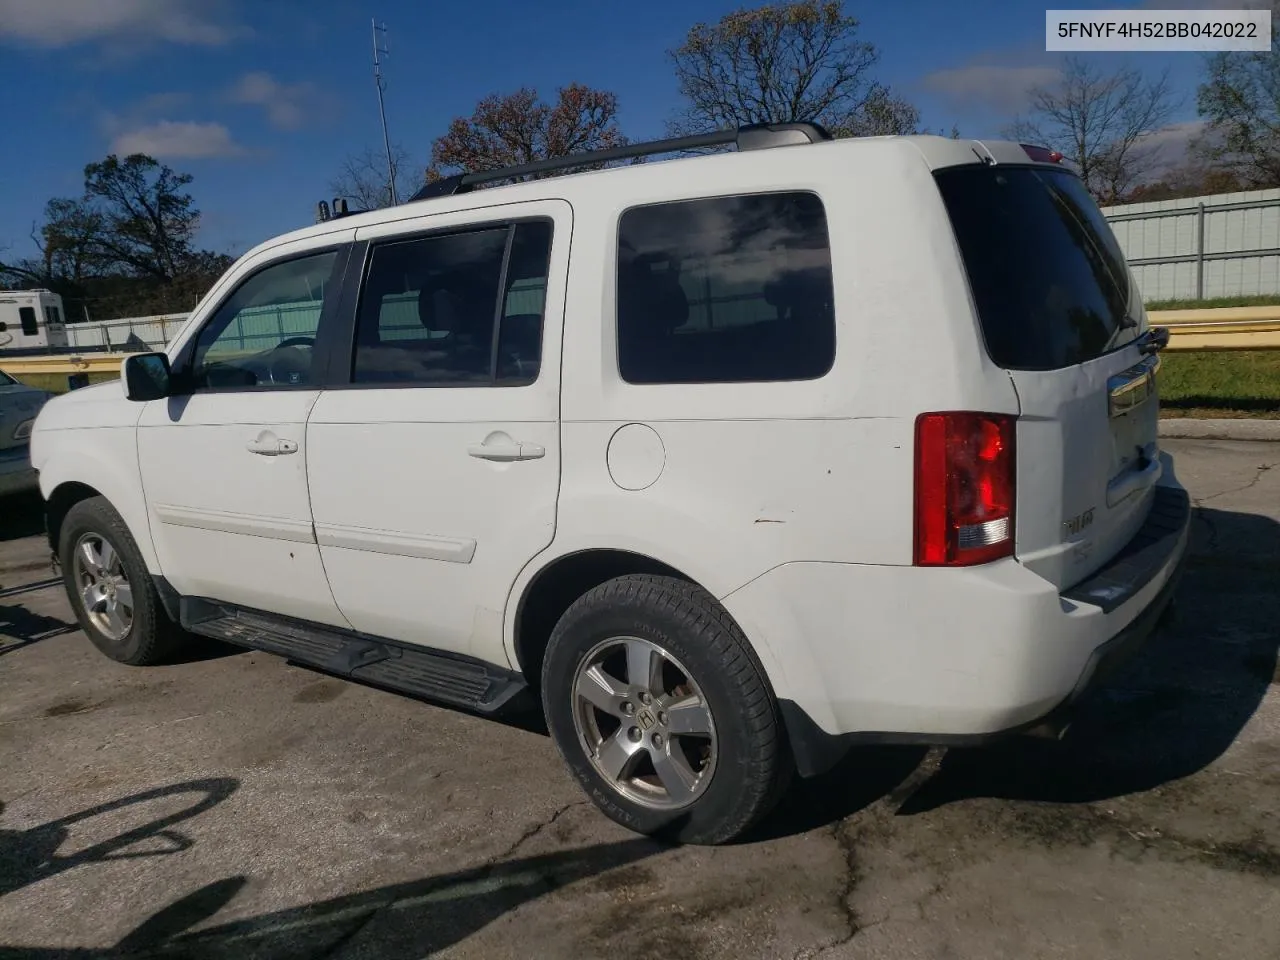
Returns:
(19, 405)
(809, 445)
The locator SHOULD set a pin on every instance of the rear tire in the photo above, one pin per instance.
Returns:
(662, 711)
(113, 596)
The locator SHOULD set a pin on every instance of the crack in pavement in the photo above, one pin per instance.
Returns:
(845, 841)
(363, 921)
(848, 881)
(1262, 469)
(536, 829)
(1212, 546)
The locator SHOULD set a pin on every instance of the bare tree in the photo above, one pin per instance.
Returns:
(516, 128)
(1100, 121)
(783, 63)
(362, 177)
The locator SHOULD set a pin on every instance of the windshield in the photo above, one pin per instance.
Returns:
(6, 380)
(1049, 280)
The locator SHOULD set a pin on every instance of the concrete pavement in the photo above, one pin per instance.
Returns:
(236, 806)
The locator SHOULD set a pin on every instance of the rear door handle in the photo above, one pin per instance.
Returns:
(505, 451)
(272, 447)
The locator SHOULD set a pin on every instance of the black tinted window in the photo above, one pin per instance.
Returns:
(1049, 280)
(443, 310)
(28, 317)
(724, 290)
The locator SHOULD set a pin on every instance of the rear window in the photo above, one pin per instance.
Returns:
(725, 290)
(1049, 280)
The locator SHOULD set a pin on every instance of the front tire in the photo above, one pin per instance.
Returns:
(113, 596)
(662, 711)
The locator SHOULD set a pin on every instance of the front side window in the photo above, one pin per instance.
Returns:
(263, 334)
(459, 309)
(725, 290)
(29, 325)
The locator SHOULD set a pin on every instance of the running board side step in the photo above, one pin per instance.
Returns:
(404, 668)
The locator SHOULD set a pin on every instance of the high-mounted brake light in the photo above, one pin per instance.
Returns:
(965, 481)
(1041, 154)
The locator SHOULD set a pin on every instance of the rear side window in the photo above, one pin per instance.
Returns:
(460, 309)
(29, 326)
(1050, 283)
(725, 290)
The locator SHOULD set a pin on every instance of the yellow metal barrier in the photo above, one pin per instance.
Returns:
(63, 364)
(1222, 328)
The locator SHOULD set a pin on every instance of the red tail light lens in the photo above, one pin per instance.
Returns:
(965, 479)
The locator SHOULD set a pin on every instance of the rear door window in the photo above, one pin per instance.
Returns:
(1049, 280)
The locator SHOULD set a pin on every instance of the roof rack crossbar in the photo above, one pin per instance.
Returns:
(751, 137)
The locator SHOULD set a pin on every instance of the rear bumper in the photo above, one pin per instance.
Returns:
(16, 473)
(952, 657)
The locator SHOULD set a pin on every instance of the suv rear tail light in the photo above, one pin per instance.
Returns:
(965, 481)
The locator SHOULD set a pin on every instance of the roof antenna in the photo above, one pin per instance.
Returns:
(381, 84)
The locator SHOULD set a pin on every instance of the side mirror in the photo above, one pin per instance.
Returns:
(146, 376)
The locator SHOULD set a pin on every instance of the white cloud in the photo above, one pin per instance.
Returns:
(61, 23)
(1003, 88)
(286, 104)
(177, 139)
(1169, 146)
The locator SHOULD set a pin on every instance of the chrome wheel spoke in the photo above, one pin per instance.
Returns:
(644, 666)
(90, 559)
(602, 691)
(114, 617)
(688, 715)
(93, 595)
(676, 774)
(617, 755)
(124, 594)
(109, 560)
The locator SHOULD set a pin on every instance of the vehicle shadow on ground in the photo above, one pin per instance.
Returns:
(1177, 707)
(404, 920)
(21, 515)
(29, 856)
(20, 627)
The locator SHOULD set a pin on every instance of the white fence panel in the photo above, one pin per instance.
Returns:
(1224, 245)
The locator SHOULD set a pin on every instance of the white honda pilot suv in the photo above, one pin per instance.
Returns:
(735, 461)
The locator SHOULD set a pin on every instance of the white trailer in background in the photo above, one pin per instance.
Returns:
(31, 321)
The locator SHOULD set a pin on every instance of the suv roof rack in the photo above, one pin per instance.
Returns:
(756, 136)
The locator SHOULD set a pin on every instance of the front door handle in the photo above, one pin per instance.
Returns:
(271, 446)
(505, 451)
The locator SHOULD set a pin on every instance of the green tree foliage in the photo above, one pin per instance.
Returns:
(124, 247)
(1240, 102)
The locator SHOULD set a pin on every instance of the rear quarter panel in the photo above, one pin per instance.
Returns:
(756, 475)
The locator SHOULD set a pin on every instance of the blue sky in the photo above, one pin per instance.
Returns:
(261, 101)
